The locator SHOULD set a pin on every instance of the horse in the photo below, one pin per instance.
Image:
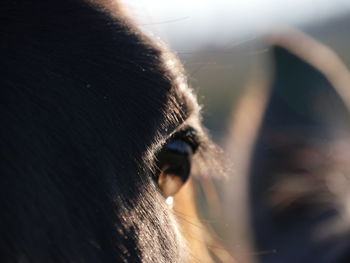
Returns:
(294, 125)
(99, 129)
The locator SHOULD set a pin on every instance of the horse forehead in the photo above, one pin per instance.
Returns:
(102, 72)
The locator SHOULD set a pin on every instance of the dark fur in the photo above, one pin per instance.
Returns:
(86, 100)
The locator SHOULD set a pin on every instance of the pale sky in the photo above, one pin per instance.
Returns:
(190, 22)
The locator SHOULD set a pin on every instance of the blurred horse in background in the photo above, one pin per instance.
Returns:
(294, 129)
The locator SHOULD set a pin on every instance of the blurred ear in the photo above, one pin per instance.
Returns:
(294, 156)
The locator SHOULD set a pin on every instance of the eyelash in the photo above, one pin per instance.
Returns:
(189, 135)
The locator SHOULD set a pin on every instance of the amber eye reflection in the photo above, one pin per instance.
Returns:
(174, 166)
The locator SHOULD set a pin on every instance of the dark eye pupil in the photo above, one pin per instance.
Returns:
(175, 159)
(179, 146)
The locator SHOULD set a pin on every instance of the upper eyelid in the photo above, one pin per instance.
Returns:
(188, 134)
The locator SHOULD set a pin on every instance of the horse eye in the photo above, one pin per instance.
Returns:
(174, 165)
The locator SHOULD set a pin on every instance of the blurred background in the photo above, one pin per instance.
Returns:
(219, 42)
(227, 49)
